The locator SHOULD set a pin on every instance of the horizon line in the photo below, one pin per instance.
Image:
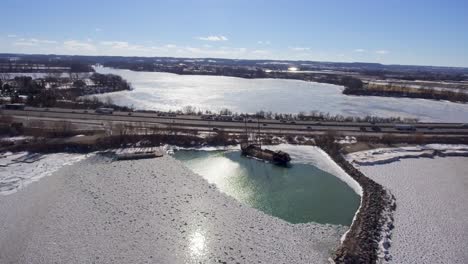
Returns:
(239, 59)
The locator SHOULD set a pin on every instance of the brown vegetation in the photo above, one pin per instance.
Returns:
(410, 92)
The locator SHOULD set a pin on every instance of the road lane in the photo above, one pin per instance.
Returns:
(257, 125)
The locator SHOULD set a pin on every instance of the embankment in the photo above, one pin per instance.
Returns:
(362, 243)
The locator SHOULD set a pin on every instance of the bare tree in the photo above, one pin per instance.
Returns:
(109, 101)
(5, 76)
(189, 110)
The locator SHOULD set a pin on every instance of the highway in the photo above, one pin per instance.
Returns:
(193, 122)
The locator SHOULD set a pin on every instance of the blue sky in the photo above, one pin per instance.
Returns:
(392, 31)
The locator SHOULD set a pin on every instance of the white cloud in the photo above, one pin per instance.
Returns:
(78, 46)
(88, 46)
(24, 43)
(382, 52)
(123, 46)
(360, 50)
(214, 38)
(33, 42)
(263, 42)
(299, 48)
(12, 36)
(45, 41)
(98, 29)
(115, 44)
(261, 52)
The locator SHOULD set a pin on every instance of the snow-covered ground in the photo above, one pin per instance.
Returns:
(16, 139)
(147, 211)
(15, 174)
(387, 155)
(431, 217)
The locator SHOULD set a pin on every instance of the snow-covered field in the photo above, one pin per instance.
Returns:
(153, 210)
(387, 155)
(15, 174)
(165, 91)
(431, 217)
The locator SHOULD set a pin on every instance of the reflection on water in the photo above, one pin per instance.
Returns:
(197, 245)
(302, 193)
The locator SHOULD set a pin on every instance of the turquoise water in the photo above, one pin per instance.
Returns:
(299, 194)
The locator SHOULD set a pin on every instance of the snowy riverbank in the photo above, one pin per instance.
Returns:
(432, 203)
(153, 210)
(17, 170)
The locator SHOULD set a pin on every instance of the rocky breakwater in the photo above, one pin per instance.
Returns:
(368, 239)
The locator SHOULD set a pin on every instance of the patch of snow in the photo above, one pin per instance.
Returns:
(388, 155)
(430, 219)
(170, 148)
(15, 139)
(387, 223)
(347, 140)
(15, 175)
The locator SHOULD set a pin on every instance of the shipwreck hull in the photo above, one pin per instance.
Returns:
(276, 157)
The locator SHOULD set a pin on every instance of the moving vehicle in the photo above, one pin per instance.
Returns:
(104, 111)
(405, 127)
(14, 106)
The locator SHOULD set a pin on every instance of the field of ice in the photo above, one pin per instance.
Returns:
(388, 155)
(166, 91)
(431, 217)
(147, 211)
(15, 174)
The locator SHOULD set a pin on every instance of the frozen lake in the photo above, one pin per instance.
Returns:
(166, 91)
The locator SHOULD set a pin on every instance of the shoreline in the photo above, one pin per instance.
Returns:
(361, 243)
